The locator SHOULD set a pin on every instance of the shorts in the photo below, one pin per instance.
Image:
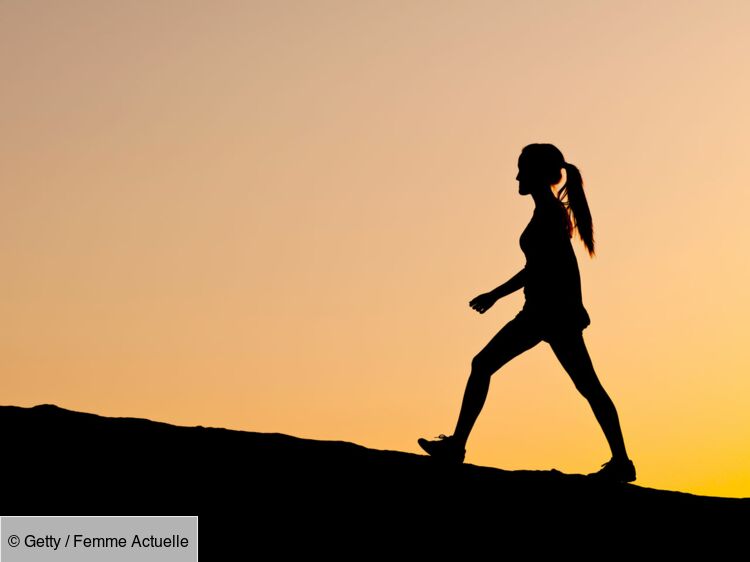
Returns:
(549, 326)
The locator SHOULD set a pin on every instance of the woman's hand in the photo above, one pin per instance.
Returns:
(483, 302)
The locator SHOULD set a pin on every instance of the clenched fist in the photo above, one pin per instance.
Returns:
(483, 302)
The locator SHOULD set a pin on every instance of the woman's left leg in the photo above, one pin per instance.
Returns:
(572, 353)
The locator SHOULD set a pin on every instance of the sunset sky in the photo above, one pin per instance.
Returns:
(271, 216)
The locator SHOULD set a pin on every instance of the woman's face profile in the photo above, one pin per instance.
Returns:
(521, 184)
(523, 177)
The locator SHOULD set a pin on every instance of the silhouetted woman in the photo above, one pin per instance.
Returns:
(553, 310)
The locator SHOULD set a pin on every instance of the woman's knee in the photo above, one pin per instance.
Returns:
(590, 388)
(477, 365)
(484, 366)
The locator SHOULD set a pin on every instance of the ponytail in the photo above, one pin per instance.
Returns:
(577, 207)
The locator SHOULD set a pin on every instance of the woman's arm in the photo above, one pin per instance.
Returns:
(486, 300)
(511, 285)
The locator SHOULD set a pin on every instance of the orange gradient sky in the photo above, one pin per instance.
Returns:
(271, 216)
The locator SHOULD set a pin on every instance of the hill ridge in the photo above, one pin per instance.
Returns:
(70, 463)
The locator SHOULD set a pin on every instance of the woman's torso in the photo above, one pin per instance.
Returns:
(552, 283)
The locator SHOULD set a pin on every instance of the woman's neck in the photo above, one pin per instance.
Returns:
(544, 197)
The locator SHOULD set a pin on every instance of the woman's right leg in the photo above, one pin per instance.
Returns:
(573, 355)
(513, 339)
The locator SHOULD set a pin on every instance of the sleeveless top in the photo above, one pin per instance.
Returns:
(552, 281)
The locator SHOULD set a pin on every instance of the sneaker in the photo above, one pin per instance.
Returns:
(616, 471)
(444, 448)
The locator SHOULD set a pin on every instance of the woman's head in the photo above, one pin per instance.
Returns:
(540, 167)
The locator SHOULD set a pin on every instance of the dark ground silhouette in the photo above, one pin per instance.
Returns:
(260, 489)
